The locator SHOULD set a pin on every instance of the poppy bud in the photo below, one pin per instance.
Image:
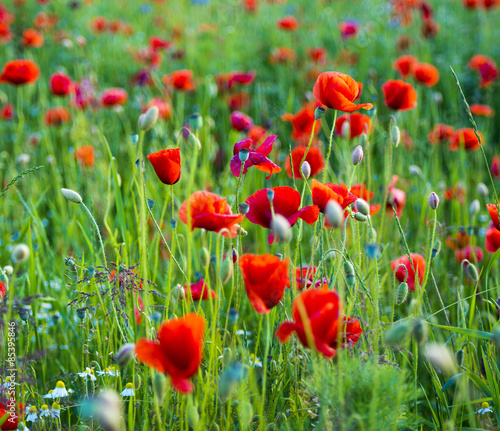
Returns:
(360, 217)
(156, 317)
(226, 270)
(235, 255)
(233, 316)
(160, 387)
(72, 196)
(397, 333)
(474, 207)
(24, 314)
(8, 270)
(395, 135)
(149, 118)
(349, 273)
(482, 189)
(178, 293)
(460, 357)
(281, 228)
(173, 223)
(363, 207)
(319, 113)
(245, 414)
(20, 253)
(363, 139)
(134, 138)
(357, 155)
(243, 155)
(125, 354)
(243, 208)
(472, 271)
(81, 313)
(415, 170)
(420, 331)
(241, 231)
(193, 417)
(3, 276)
(195, 122)
(151, 203)
(433, 201)
(436, 249)
(346, 130)
(279, 256)
(306, 170)
(270, 195)
(204, 257)
(194, 141)
(401, 293)
(334, 214)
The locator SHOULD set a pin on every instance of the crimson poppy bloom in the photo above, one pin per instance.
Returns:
(404, 65)
(164, 108)
(318, 54)
(199, 290)
(98, 24)
(286, 202)
(257, 134)
(323, 193)
(288, 23)
(178, 351)
(167, 165)
(7, 112)
(471, 253)
(57, 116)
(304, 277)
(3, 291)
(458, 192)
(493, 210)
(181, 80)
(60, 84)
(240, 121)
(156, 42)
(396, 198)
(19, 72)
(419, 265)
(32, 38)
(426, 74)
(358, 124)
(399, 95)
(314, 158)
(440, 133)
(113, 97)
(486, 68)
(11, 423)
(360, 191)
(495, 167)
(265, 278)
(348, 29)
(302, 122)
(322, 307)
(243, 78)
(85, 155)
(466, 138)
(482, 110)
(282, 54)
(257, 158)
(237, 101)
(492, 240)
(338, 91)
(210, 212)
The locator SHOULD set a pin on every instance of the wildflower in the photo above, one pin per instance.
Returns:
(482, 110)
(486, 68)
(32, 414)
(109, 371)
(85, 155)
(60, 390)
(485, 408)
(20, 253)
(492, 240)
(44, 411)
(404, 65)
(257, 158)
(113, 97)
(440, 133)
(288, 23)
(19, 72)
(286, 202)
(199, 290)
(56, 410)
(324, 325)
(399, 95)
(128, 391)
(49, 394)
(338, 91)
(426, 74)
(178, 351)
(7, 112)
(125, 354)
(305, 276)
(358, 124)
(302, 122)
(348, 29)
(396, 198)
(265, 277)
(314, 158)
(254, 361)
(167, 165)
(240, 121)
(88, 374)
(32, 38)
(465, 138)
(323, 193)
(181, 80)
(470, 253)
(413, 276)
(164, 108)
(56, 116)
(13, 418)
(210, 212)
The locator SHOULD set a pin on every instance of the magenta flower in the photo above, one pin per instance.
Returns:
(252, 157)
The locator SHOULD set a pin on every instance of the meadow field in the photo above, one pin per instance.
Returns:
(249, 215)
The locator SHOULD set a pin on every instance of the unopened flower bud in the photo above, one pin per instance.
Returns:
(306, 170)
(72, 196)
(362, 207)
(360, 217)
(243, 208)
(281, 228)
(173, 223)
(420, 332)
(226, 270)
(149, 118)
(194, 141)
(357, 155)
(319, 113)
(125, 354)
(472, 271)
(395, 135)
(334, 214)
(134, 138)
(459, 356)
(8, 270)
(20, 253)
(241, 231)
(160, 387)
(401, 293)
(397, 333)
(195, 122)
(243, 155)
(204, 257)
(474, 207)
(178, 293)
(415, 170)
(346, 130)
(151, 203)
(482, 189)
(349, 273)
(433, 200)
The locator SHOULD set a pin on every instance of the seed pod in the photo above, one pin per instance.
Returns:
(360, 217)
(243, 155)
(433, 201)
(149, 118)
(24, 314)
(134, 138)
(151, 203)
(397, 333)
(270, 195)
(306, 170)
(160, 387)
(72, 196)
(81, 312)
(195, 122)
(226, 270)
(357, 155)
(460, 357)
(362, 207)
(420, 332)
(401, 293)
(395, 135)
(204, 257)
(334, 214)
(243, 208)
(319, 113)
(281, 228)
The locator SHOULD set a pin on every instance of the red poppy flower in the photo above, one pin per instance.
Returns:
(360, 191)
(45, 21)
(257, 134)
(396, 198)
(113, 97)
(250, 5)
(11, 423)
(6, 33)
(288, 23)
(199, 290)
(286, 202)
(237, 101)
(282, 54)
(304, 278)
(482, 110)
(348, 29)
(164, 108)
(210, 212)
(495, 167)
(167, 165)
(302, 122)
(486, 67)
(7, 112)
(338, 91)
(466, 138)
(32, 38)
(322, 307)
(240, 121)
(318, 55)
(404, 65)
(493, 210)
(472, 254)
(314, 158)
(256, 157)
(181, 80)
(458, 191)
(426, 74)
(85, 155)
(243, 78)
(440, 133)
(399, 95)
(419, 265)
(156, 42)
(57, 116)
(492, 240)
(358, 124)
(265, 279)
(3, 291)
(323, 193)
(60, 84)
(98, 24)
(458, 240)
(19, 72)
(178, 351)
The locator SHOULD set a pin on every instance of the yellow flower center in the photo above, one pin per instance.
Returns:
(129, 386)
(32, 409)
(106, 370)
(45, 407)
(55, 406)
(60, 385)
(485, 405)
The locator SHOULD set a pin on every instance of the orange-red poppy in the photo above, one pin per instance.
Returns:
(32, 38)
(338, 91)
(164, 108)
(426, 74)
(440, 133)
(323, 193)
(404, 65)
(493, 210)
(419, 265)
(466, 138)
(288, 23)
(7, 112)
(399, 95)
(492, 240)
(302, 122)
(304, 278)
(113, 97)
(19, 72)
(199, 291)
(495, 167)
(238, 101)
(314, 158)
(348, 29)
(210, 212)
(282, 54)
(265, 277)
(458, 240)
(181, 80)
(178, 351)
(85, 155)
(60, 84)
(358, 124)
(486, 68)
(167, 165)
(98, 24)
(360, 191)
(257, 134)
(57, 116)
(3, 291)
(318, 54)
(482, 110)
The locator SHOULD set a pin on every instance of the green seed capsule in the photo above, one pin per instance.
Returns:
(420, 332)
(397, 333)
(360, 217)
(401, 293)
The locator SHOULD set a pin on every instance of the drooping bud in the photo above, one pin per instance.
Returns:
(420, 332)
(204, 257)
(125, 354)
(194, 141)
(360, 217)
(72, 196)
(395, 135)
(319, 113)
(149, 118)
(226, 270)
(474, 207)
(334, 214)
(357, 155)
(306, 170)
(472, 271)
(241, 231)
(459, 356)
(9, 270)
(401, 293)
(281, 228)
(397, 333)
(482, 190)
(178, 293)
(433, 201)
(362, 206)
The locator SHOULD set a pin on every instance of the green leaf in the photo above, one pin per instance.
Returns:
(451, 381)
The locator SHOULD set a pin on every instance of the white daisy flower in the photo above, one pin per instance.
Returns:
(255, 361)
(56, 410)
(88, 374)
(32, 414)
(111, 371)
(44, 411)
(485, 408)
(49, 394)
(242, 332)
(22, 427)
(128, 391)
(60, 390)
